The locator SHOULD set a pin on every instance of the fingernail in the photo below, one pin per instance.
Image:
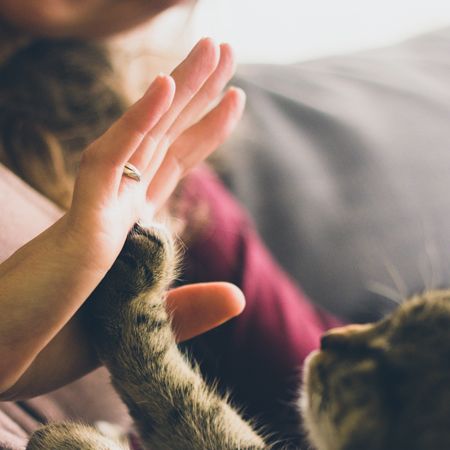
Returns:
(155, 84)
(237, 90)
(200, 42)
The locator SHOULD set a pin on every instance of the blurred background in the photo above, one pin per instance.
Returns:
(273, 31)
(337, 128)
(285, 31)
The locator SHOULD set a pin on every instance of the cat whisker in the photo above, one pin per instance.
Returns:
(385, 291)
(395, 277)
(380, 256)
(429, 266)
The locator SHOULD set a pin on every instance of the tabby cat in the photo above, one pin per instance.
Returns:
(384, 386)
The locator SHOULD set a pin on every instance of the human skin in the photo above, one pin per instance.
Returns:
(81, 18)
(62, 266)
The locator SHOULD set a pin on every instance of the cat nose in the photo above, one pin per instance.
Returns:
(340, 338)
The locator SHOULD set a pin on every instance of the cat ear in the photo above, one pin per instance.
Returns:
(343, 337)
(371, 336)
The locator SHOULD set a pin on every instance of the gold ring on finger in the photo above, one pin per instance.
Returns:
(132, 172)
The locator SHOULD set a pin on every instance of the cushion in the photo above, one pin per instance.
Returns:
(344, 163)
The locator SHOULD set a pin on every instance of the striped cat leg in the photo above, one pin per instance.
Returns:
(71, 436)
(171, 404)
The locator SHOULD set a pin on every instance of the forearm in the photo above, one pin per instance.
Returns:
(41, 287)
(67, 357)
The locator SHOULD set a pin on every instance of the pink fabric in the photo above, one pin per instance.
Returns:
(259, 354)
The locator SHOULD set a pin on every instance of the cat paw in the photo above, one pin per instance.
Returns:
(70, 436)
(145, 267)
(147, 260)
(145, 263)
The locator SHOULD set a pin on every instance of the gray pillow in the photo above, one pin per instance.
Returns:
(344, 164)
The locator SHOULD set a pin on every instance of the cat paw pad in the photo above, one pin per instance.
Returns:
(149, 256)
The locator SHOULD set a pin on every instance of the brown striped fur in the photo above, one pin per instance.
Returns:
(383, 386)
(171, 405)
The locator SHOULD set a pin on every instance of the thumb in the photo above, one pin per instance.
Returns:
(197, 308)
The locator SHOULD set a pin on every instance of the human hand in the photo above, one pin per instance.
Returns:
(163, 137)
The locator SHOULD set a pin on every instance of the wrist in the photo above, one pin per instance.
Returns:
(75, 248)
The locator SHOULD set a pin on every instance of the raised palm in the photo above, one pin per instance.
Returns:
(163, 135)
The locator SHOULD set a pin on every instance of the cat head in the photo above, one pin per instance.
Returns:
(383, 386)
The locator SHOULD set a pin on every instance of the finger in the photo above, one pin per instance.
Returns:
(195, 145)
(199, 141)
(123, 138)
(207, 94)
(189, 77)
(108, 154)
(197, 308)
